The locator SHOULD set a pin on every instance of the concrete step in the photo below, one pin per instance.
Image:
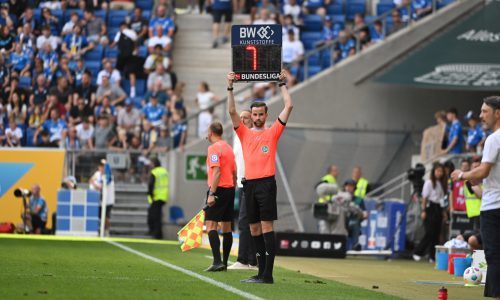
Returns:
(130, 206)
(129, 213)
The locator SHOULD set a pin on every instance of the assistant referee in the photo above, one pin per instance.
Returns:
(489, 171)
(220, 199)
(259, 151)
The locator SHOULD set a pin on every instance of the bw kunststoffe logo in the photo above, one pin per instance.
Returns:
(264, 149)
(263, 32)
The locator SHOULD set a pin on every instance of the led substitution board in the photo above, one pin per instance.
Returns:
(256, 52)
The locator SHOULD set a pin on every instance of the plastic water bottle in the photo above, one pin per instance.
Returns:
(443, 294)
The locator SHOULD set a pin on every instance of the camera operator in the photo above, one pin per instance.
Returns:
(38, 210)
(355, 219)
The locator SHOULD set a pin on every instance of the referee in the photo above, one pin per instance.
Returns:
(259, 151)
(489, 170)
(220, 199)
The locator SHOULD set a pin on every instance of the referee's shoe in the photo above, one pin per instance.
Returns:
(220, 267)
(258, 279)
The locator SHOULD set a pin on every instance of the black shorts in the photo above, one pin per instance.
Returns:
(37, 222)
(222, 211)
(490, 222)
(217, 15)
(108, 211)
(260, 196)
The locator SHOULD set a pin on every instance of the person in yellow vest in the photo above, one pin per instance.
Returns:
(361, 183)
(157, 197)
(331, 177)
(472, 195)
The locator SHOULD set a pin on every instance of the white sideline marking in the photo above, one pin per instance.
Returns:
(188, 272)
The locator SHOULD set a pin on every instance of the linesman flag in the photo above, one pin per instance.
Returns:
(191, 234)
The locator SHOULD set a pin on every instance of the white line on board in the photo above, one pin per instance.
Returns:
(188, 272)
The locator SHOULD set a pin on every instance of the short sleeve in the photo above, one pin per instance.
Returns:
(490, 151)
(426, 191)
(278, 128)
(213, 157)
(241, 131)
(117, 37)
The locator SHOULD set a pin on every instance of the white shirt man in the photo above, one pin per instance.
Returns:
(84, 133)
(292, 50)
(164, 41)
(491, 184)
(114, 76)
(14, 136)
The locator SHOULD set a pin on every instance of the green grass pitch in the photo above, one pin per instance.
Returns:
(52, 269)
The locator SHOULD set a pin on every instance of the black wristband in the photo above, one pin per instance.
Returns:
(230, 88)
(210, 193)
(281, 83)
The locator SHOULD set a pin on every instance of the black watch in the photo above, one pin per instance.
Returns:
(210, 193)
(282, 83)
(230, 88)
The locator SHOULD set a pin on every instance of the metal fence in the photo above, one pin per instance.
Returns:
(129, 166)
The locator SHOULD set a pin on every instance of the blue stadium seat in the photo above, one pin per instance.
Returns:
(137, 102)
(144, 4)
(59, 14)
(369, 19)
(126, 85)
(140, 87)
(101, 14)
(313, 70)
(111, 52)
(25, 81)
(94, 54)
(355, 6)
(143, 51)
(314, 60)
(176, 214)
(325, 59)
(146, 14)
(313, 23)
(37, 13)
(338, 19)
(30, 133)
(335, 9)
(309, 39)
(94, 67)
(115, 17)
(384, 7)
(112, 31)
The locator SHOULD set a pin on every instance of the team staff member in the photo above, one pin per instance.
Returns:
(361, 182)
(221, 179)
(331, 177)
(157, 197)
(259, 150)
(489, 172)
(246, 250)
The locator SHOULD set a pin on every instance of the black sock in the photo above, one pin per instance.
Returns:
(213, 237)
(260, 250)
(270, 243)
(227, 243)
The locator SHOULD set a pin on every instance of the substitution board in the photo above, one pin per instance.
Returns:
(256, 52)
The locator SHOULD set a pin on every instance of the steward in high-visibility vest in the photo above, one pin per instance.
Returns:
(328, 178)
(157, 197)
(361, 188)
(472, 203)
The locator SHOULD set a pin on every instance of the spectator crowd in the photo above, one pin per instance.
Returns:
(89, 75)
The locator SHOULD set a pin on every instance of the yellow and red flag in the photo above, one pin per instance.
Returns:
(191, 234)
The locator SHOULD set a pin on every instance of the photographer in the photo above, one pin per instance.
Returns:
(38, 210)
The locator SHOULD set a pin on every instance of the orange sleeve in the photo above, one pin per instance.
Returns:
(213, 157)
(278, 128)
(241, 131)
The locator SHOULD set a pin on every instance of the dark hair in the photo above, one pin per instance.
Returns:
(156, 162)
(258, 104)
(442, 180)
(205, 86)
(452, 110)
(89, 10)
(88, 73)
(216, 128)
(492, 101)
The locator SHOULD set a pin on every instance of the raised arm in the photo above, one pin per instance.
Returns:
(235, 117)
(287, 99)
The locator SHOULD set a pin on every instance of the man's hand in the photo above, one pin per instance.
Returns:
(230, 79)
(283, 75)
(423, 215)
(455, 174)
(211, 201)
